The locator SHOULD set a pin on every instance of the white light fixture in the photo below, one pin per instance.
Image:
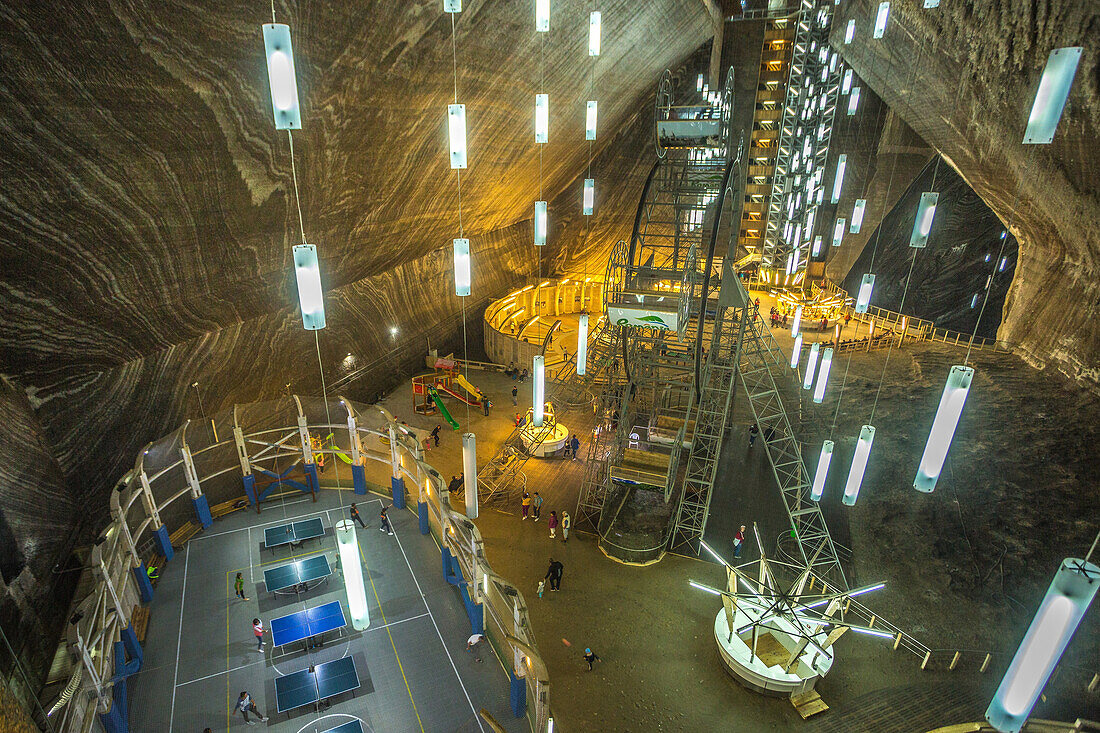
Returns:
(281, 77)
(1001, 267)
(1050, 98)
(931, 3)
(469, 473)
(943, 427)
(823, 374)
(542, 118)
(863, 298)
(538, 390)
(974, 301)
(850, 32)
(594, 33)
(540, 223)
(456, 131)
(348, 545)
(796, 352)
(817, 246)
(590, 121)
(310, 296)
(846, 85)
(822, 471)
(838, 231)
(452, 6)
(859, 464)
(838, 180)
(797, 321)
(542, 15)
(811, 364)
(857, 216)
(926, 210)
(1067, 599)
(582, 343)
(880, 19)
(589, 195)
(462, 267)
(853, 101)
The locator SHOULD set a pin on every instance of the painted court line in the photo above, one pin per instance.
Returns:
(179, 637)
(205, 536)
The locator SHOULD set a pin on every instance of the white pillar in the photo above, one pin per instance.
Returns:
(469, 469)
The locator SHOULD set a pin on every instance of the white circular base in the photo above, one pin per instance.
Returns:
(553, 439)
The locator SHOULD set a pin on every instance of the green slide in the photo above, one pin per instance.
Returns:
(442, 409)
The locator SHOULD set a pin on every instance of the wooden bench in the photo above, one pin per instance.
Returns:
(651, 461)
(185, 532)
(228, 507)
(139, 621)
(808, 703)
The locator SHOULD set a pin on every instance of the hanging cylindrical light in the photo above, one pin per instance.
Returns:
(922, 225)
(594, 33)
(838, 231)
(846, 85)
(853, 101)
(590, 121)
(796, 352)
(822, 471)
(838, 180)
(863, 297)
(452, 6)
(849, 32)
(857, 216)
(456, 131)
(943, 427)
(823, 374)
(881, 18)
(797, 321)
(469, 472)
(542, 15)
(542, 118)
(281, 77)
(582, 343)
(540, 223)
(538, 390)
(310, 296)
(1051, 96)
(859, 464)
(589, 195)
(1067, 599)
(347, 543)
(817, 246)
(811, 364)
(462, 267)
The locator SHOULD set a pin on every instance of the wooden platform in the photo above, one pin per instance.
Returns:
(808, 703)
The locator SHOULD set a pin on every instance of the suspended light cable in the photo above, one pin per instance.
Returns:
(462, 253)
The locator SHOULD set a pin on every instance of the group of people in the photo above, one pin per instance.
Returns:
(779, 318)
(514, 372)
(531, 506)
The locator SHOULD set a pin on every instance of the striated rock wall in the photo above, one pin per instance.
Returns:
(964, 76)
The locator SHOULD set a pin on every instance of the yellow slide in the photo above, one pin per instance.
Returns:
(461, 382)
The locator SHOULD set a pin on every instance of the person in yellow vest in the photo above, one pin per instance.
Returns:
(526, 503)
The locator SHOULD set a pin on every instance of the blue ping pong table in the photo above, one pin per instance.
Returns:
(297, 573)
(352, 726)
(308, 624)
(316, 683)
(293, 532)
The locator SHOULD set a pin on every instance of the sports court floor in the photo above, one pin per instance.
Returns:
(414, 670)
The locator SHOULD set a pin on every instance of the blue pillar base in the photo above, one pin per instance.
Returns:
(202, 511)
(517, 695)
(132, 647)
(114, 721)
(250, 490)
(145, 588)
(163, 543)
(476, 612)
(422, 516)
(398, 486)
(359, 478)
(447, 574)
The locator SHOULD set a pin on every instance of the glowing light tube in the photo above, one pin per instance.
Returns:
(817, 247)
(880, 19)
(469, 472)
(1050, 98)
(542, 15)
(797, 321)
(846, 85)
(853, 101)
(859, 464)
(849, 32)
(863, 298)
(462, 267)
(590, 121)
(857, 216)
(1067, 599)
(811, 364)
(540, 223)
(280, 76)
(542, 118)
(838, 180)
(796, 352)
(452, 6)
(456, 130)
(538, 390)
(589, 195)
(310, 297)
(822, 471)
(926, 210)
(348, 544)
(582, 343)
(838, 231)
(594, 33)
(823, 374)
(931, 3)
(943, 427)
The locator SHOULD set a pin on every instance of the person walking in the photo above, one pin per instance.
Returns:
(590, 657)
(385, 525)
(246, 705)
(435, 435)
(554, 573)
(769, 433)
(238, 585)
(753, 432)
(515, 395)
(574, 445)
(525, 503)
(472, 645)
(738, 541)
(258, 630)
(536, 507)
(566, 523)
(553, 522)
(355, 516)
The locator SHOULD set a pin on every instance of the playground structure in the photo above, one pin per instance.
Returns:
(427, 388)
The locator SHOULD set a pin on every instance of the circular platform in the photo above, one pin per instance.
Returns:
(553, 437)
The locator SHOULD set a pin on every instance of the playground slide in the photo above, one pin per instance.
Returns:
(443, 409)
(457, 396)
(461, 382)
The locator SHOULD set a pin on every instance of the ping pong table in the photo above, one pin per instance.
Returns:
(316, 683)
(308, 624)
(297, 573)
(352, 726)
(293, 532)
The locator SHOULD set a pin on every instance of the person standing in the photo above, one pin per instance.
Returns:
(536, 507)
(238, 585)
(553, 522)
(566, 523)
(574, 445)
(258, 630)
(753, 432)
(590, 657)
(484, 403)
(738, 541)
(472, 645)
(246, 705)
(525, 502)
(435, 435)
(769, 433)
(355, 516)
(385, 525)
(554, 573)
(455, 485)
